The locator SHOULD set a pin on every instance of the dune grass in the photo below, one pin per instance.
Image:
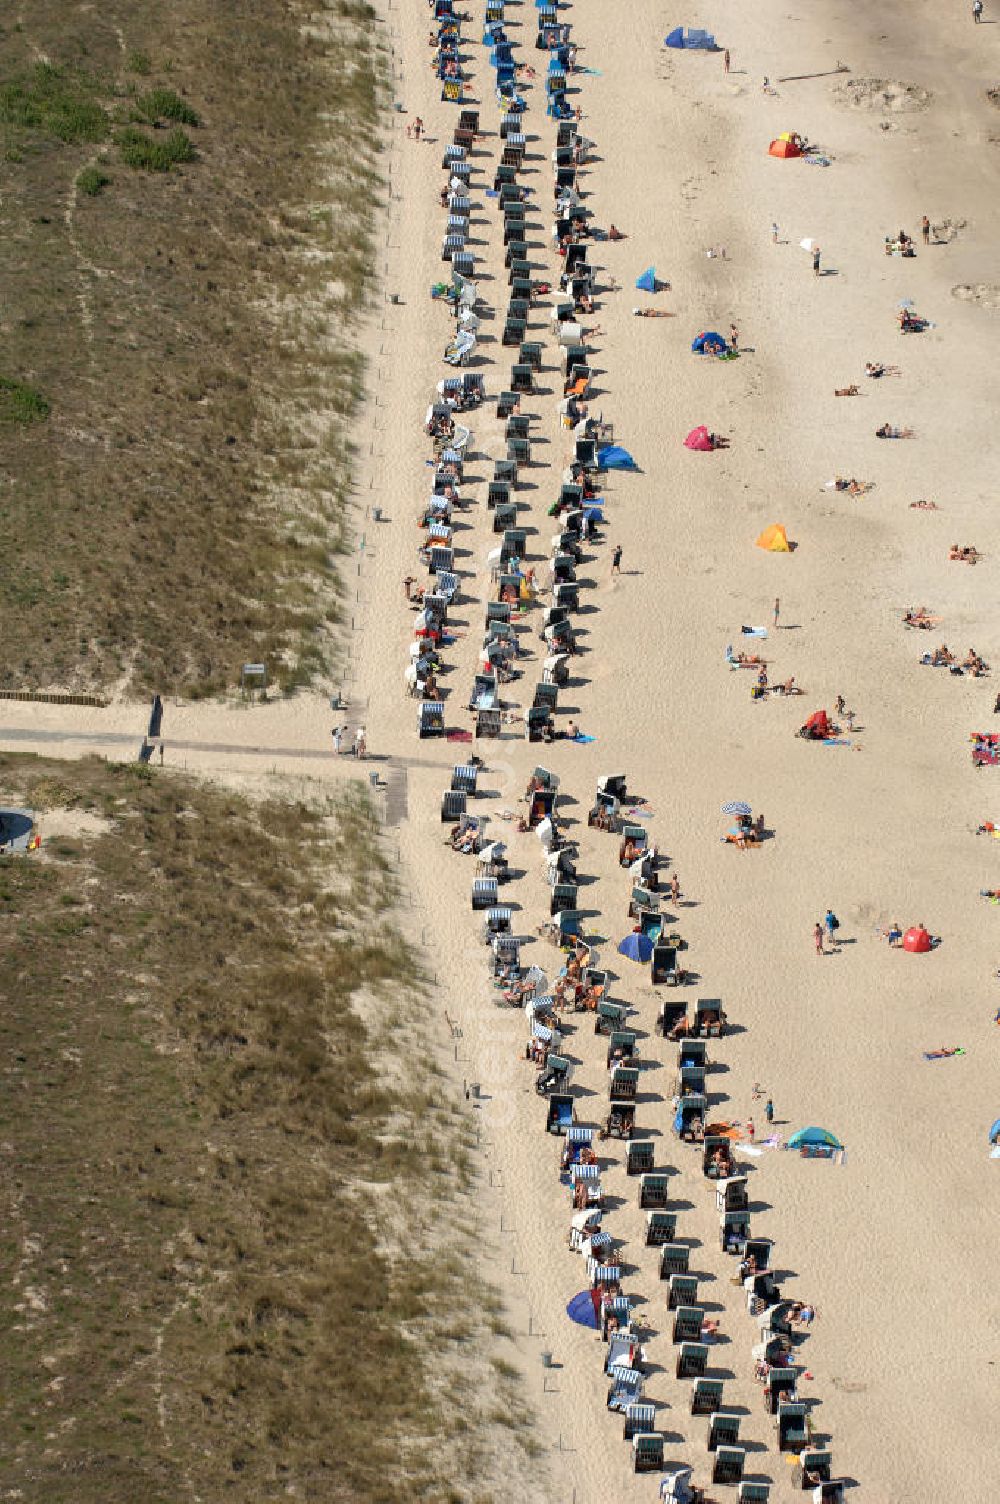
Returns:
(185, 247)
(235, 1207)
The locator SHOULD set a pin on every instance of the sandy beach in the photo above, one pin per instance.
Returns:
(891, 1244)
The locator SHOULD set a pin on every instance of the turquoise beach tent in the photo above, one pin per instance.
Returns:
(690, 39)
(814, 1136)
(647, 281)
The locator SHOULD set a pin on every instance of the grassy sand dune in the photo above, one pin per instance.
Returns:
(236, 1212)
(188, 198)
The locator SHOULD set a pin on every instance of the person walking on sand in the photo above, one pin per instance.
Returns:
(338, 736)
(675, 887)
(725, 61)
(925, 230)
(815, 260)
(977, 11)
(418, 128)
(818, 938)
(841, 705)
(751, 1130)
(832, 926)
(774, 234)
(777, 610)
(616, 560)
(360, 744)
(734, 337)
(769, 1110)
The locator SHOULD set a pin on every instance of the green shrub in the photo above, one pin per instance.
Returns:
(55, 102)
(165, 104)
(91, 180)
(142, 152)
(20, 403)
(139, 62)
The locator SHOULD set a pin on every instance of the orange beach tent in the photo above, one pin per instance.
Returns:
(774, 539)
(785, 146)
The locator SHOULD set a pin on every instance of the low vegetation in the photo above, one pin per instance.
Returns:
(185, 244)
(234, 1208)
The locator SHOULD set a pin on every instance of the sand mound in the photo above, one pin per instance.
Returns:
(985, 294)
(882, 94)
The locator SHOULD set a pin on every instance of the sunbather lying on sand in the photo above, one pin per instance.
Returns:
(788, 688)
(615, 234)
(967, 555)
(650, 313)
(887, 431)
(923, 506)
(855, 487)
(942, 656)
(974, 664)
(877, 368)
(846, 391)
(919, 616)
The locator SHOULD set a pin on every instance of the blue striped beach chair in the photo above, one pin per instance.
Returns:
(626, 1389)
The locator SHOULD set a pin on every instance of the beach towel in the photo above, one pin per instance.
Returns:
(836, 741)
(458, 736)
(945, 1053)
(754, 631)
(581, 739)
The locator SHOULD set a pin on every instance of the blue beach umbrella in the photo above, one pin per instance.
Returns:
(636, 946)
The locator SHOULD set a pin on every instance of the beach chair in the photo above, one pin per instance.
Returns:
(638, 1418)
(708, 1018)
(815, 1465)
(638, 1156)
(608, 1017)
(683, 1292)
(654, 1191)
(723, 1430)
(624, 1083)
(452, 805)
(753, 1491)
(621, 1045)
(669, 1017)
(692, 1052)
(464, 778)
(497, 922)
(674, 1259)
(463, 264)
(567, 596)
(616, 1316)
(620, 1121)
(732, 1195)
(562, 898)
(489, 723)
(514, 544)
(779, 1388)
(706, 1396)
(717, 1157)
(758, 1249)
(484, 893)
(626, 1389)
(492, 861)
(728, 1465)
(560, 1117)
(647, 1452)
(504, 515)
(521, 378)
(554, 1075)
(430, 719)
(515, 250)
(692, 1360)
(690, 1078)
(687, 1324)
(790, 1424)
(641, 899)
(734, 1229)
(498, 611)
(690, 1117)
(536, 723)
(590, 1176)
(513, 333)
(531, 354)
(661, 1226)
(663, 966)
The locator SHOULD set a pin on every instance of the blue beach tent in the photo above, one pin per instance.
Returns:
(702, 41)
(614, 457)
(709, 343)
(647, 281)
(636, 947)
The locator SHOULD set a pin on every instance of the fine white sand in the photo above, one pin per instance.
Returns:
(893, 1246)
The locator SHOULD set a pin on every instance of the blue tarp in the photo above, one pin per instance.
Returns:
(613, 457)
(636, 946)
(647, 281)
(679, 37)
(716, 344)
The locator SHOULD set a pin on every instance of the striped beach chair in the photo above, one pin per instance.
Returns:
(485, 892)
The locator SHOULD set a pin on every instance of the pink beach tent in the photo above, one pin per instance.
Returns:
(699, 438)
